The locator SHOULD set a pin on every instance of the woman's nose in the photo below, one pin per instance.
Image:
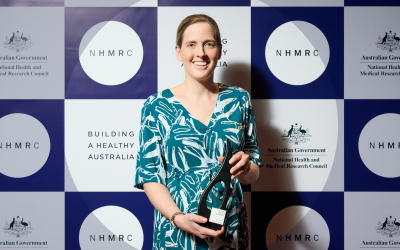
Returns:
(200, 52)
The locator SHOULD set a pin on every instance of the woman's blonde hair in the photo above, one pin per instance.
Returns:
(197, 18)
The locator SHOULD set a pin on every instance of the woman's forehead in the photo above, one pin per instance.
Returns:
(201, 30)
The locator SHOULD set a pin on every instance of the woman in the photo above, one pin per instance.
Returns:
(182, 141)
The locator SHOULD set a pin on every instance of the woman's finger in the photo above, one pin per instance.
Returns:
(245, 159)
(198, 218)
(235, 157)
(209, 232)
(237, 174)
(236, 168)
(242, 163)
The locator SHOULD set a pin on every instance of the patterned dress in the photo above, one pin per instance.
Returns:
(182, 153)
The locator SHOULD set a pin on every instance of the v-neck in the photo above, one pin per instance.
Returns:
(183, 107)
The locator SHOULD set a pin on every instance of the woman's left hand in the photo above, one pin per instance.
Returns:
(240, 164)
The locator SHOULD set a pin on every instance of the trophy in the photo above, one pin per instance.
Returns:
(216, 217)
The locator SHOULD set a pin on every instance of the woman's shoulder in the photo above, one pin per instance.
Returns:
(234, 90)
(156, 99)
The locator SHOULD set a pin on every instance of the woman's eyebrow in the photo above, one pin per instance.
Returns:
(206, 41)
(190, 42)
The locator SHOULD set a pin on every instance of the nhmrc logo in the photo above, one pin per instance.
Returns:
(111, 53)
(24, 145)
(379, 145)
(297, 53)
(111, 227)
(297, 227)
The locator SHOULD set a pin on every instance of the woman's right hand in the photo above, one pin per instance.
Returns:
(188, 223)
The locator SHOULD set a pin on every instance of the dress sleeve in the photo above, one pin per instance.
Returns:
(251, 142)
(149, 160)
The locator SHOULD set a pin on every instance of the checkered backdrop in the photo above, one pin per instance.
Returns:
(324, 77)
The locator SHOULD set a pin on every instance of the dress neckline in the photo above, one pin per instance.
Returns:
(215, 107)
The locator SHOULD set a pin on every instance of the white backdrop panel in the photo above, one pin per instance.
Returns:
(370, 218)
(371, 60)
(297, 140)
(101, 138)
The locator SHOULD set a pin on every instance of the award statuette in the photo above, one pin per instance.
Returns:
(216, 217)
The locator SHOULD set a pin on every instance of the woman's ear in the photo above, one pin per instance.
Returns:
(178, 52)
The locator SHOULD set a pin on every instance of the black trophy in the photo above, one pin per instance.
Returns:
(223, 175)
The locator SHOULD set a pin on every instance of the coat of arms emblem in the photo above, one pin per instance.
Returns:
(18, 42)
(390, 42)
(296, 134)
(390, 227)
(18, 227)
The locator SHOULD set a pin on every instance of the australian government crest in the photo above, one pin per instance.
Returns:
(18, 227)
(389, 227)
(296, 134)
(389, 42)
(17, 42)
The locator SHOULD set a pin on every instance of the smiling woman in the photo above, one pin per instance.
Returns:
(182, 140)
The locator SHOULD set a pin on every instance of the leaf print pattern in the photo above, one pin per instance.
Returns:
(180, 152)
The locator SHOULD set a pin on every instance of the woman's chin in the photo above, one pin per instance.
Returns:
(201, 77)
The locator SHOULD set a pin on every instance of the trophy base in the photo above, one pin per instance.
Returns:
(211, 225)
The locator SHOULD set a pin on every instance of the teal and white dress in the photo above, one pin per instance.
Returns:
(181, 153)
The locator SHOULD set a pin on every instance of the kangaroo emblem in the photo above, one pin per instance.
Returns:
(12, 38)
(384, 223)
(384, 39)
(289, 132)
(12, 225)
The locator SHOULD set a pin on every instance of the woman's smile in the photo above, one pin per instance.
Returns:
(201, 64)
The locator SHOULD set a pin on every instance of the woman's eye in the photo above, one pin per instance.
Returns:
(191, 45)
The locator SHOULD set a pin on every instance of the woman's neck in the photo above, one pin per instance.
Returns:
(196, 89)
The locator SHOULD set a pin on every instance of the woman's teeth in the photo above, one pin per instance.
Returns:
(200, 63)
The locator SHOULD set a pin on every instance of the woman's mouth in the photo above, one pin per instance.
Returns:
(200, 65)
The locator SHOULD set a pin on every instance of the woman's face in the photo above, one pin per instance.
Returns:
(199, 52)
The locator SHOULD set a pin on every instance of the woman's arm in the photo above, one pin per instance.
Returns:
(162, 200)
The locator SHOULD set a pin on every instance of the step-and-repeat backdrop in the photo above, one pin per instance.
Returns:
(324, 77)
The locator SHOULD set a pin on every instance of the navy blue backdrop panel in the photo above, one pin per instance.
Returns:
(51, 114)
(265, 205)
(264, 85)
(78, 205)
(32, 3)
(78, 85)
(371, 2)
(356, 115)
(204, 3)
